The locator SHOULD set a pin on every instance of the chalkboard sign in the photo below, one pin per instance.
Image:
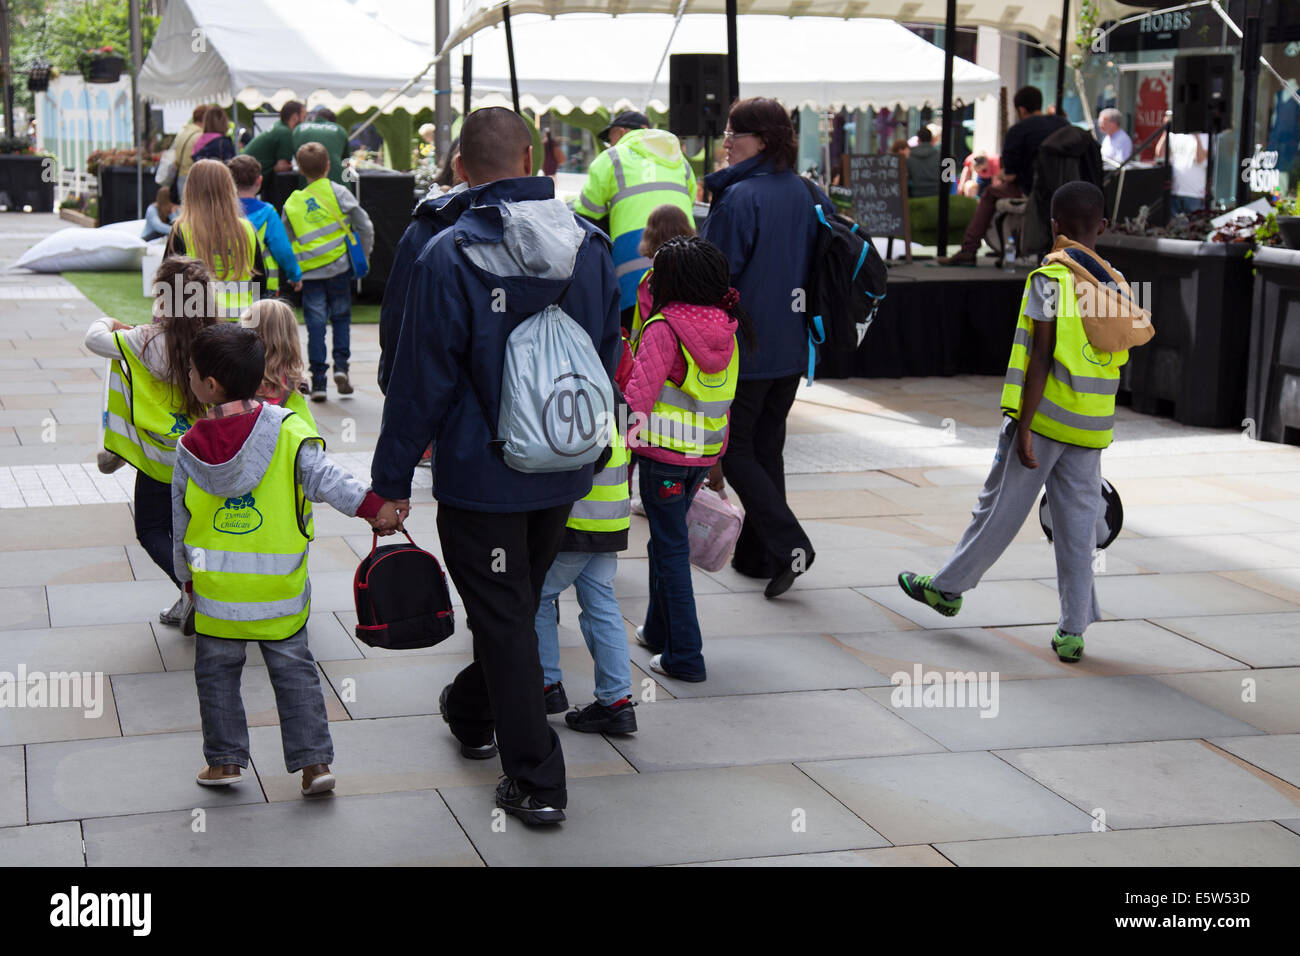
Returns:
(879, 202)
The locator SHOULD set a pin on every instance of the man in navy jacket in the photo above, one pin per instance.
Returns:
(514, 250)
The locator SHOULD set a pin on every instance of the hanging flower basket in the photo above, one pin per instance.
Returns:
(102, 65)
(38, 78)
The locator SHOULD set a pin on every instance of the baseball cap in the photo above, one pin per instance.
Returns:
(628, 119)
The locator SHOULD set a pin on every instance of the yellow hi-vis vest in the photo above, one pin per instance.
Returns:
(608, 506)
(145, 417)
(1078, 404)
(248, 555)
(296, 402)
(268, 260)
(318, 225)
(691, 418)
(231, 294)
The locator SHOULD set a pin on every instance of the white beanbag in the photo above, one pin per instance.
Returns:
(91, 250)
(134, 226)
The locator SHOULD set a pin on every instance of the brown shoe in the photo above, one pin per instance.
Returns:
(317, 779)
(962, 258)
(220, 776)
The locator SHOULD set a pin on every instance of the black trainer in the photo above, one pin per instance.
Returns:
(518, 803)
(484, 752)
(557, 702)
(784, 579)
(596, 718)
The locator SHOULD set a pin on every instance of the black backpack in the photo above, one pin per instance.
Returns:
(846, 286)
(402, 598)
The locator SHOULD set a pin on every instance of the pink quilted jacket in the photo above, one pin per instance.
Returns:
(708, 333)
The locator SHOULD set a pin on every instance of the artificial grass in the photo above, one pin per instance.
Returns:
(120, 295)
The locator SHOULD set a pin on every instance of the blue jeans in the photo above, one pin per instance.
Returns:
(670, 621)
(304, 728)
(1185, 204)
(328, 300)
(600, 620)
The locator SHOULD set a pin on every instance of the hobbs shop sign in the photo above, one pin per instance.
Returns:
(1165, 22)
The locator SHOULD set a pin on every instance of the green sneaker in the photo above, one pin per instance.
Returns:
(918, 588)
(1068, 647)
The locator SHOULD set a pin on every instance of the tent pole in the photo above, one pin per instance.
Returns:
(441, 84)
(1060, 63)
(137, 127)
(1250, 42)
(510, 55)
(945, 148)
(466, 81)
(733, 60)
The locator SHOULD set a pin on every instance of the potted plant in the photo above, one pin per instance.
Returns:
(101, 65)
(38, 77)
(1286, 214)
(26, 176)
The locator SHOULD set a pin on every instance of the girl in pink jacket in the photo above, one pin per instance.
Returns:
(683, 377)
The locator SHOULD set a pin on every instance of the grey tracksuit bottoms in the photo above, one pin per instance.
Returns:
(1073, 477)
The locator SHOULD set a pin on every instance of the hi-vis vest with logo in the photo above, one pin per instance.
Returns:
(318, 225)
(691, 418)
(248, 555)
(608, 506)
(232, 294)
(1078, 404)
(144, 418)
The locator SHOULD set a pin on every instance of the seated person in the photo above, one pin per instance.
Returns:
(977, 174)
(159, 216)
(923, 166)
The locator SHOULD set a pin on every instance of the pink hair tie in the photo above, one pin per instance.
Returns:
(731, 299)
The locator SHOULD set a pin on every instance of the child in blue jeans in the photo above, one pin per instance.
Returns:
(680, 390)
(594, 534)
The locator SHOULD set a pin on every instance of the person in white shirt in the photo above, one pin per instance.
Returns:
(1116, 146)
(1188, 156)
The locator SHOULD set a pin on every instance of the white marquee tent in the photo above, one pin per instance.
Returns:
(338, 52)
(586, 62)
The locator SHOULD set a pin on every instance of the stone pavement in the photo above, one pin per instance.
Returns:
(1175, 741)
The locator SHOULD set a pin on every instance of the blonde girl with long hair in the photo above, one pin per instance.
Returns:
(212, 228)
(276, 326)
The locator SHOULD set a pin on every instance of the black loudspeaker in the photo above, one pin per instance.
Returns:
(698, 94)
(1202, 100)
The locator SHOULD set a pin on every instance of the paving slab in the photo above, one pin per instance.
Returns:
(885, 856)
(1192, 553)
(393, 687)
(1267, 699)
(1127, 647)
(129, 774)
(65, 566)
(765, 728)
(1281, 583)
(992, 604)
(1040, 713)
(834, 568)
(771, 663)
(1259, 640)
(116, 602)
(1168, 595)
(942, 797)
(1278, 754)
(23, 608)
(991, 650)
(105, 648)
(1196, 520)
(717, 814)
(94, 716)
(723, 615)
(1162, 783)
(13, 787)
(50, 844)
(414, 753)
(1230, 844)
(89, 526)
(389, 829)
(168, 702)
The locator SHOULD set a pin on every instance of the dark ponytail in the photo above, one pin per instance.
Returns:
(694, 271)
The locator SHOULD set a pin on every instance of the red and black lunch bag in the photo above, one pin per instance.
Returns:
(402, 598)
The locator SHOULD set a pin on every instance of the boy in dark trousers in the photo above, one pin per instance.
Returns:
(1059, 402)
(241, 525)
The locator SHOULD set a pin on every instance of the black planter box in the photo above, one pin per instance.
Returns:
(117, 193)
(1273, 380)
(1198, 292)
(24, 179)
(105, 69)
